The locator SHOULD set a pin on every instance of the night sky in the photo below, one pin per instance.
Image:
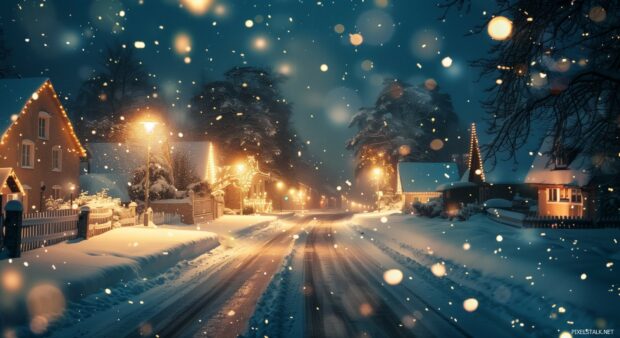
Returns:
(402, 38)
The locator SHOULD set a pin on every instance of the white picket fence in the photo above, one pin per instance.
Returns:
(47, 228)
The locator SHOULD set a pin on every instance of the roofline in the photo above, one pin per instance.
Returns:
(47, 83)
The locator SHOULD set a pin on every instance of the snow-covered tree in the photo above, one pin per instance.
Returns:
(245, 114)
(119, 89)
(406, 123)
(6, 69)
(183, 171)
(160, 180)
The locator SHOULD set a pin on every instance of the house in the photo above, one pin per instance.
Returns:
(486, 179)
(40, 152)
(564, 182)
(418, 181)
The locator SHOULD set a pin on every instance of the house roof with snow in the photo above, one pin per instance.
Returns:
(425, 176)
(17, 94)
(544, 171)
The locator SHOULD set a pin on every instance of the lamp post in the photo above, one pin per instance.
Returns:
(240, 170)
(149, 126)
(280, 186)
(72, 188)
(377, 172)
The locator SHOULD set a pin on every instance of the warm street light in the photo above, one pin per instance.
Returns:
(149, 127)
(280, 185)
(377, 173)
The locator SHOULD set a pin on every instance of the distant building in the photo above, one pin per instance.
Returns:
(418, 181)
(564, 182)
(483, 180)
(40, 150)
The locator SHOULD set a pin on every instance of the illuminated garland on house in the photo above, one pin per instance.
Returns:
(211, 174)
(35, 96)
(474, 145)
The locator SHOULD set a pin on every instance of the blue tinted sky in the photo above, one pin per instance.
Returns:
(63, 40)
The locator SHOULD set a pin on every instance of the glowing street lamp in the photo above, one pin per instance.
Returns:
(377, 174)
(149, 127)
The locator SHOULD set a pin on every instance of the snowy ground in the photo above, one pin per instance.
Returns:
(73, 269)
(539, 281)
(133, 301)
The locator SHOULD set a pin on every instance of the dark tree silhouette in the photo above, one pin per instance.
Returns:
(406, 123)
(559, 71)
(6, 69)
(246, 114)
(119, 89)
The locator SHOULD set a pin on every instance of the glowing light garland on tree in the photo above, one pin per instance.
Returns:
(474, 151)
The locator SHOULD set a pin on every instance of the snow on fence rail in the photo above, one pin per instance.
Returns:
(48, 228)
(506, 217)
(160, 217)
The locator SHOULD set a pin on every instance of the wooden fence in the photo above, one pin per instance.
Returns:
(561, 222)
(48, 228)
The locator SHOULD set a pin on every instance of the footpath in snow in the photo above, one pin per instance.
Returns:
(540, 281)
(37, 287)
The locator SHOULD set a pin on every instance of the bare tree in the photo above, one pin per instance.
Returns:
(559, 71)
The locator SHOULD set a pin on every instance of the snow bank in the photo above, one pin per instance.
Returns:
(78, 268)
(521, 274)
(232, 226)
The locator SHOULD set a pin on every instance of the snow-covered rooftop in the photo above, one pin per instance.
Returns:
(14, 93)
(425, 176)
(543, 169)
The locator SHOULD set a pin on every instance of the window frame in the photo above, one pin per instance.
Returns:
(45, 117)
(56, 192)
(57, 149)
(30, 164)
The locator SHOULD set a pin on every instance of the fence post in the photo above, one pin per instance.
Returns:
(132, 208)
(83, 222)
(13, 224)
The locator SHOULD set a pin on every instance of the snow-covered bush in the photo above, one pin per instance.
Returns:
(160, 183)
(431, 209)
(200, 188)
(467, 211)
(56, 204)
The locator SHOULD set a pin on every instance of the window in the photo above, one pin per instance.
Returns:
(575, 196)
(27, 160)
(56, 192)
(56, 158)
(564, 195)
(552, 194)
(44, 125)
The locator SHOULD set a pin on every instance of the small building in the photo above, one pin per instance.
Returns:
(418, 181)
(38, 144)
(483, 180)
(564, 183)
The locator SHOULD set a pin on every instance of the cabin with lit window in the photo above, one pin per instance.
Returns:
(39, 150)
(564, 182)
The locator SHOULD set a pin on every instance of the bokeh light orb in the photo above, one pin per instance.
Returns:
(430, 84)
(367, 65)
(393, 276)
(466, 246)
(470, 304)
(404, 150)
(438, 269)
(356, 39)
(197, 7)
(376, 26)
(249, 23)
(499, 28)
(436, 144)
(45, 303)
(182, 43)
(597, 14)
(11, 280)
(339, 28)
(324, 67)
(446, 62)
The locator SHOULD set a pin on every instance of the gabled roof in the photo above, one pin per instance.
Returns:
(17, 94)
(543, 170)
(425, 176)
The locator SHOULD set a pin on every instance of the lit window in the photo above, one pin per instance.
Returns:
(44, 125)
(56, 192)
(56, 158)
(27, 153)
(575, 196)
(552, 194)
